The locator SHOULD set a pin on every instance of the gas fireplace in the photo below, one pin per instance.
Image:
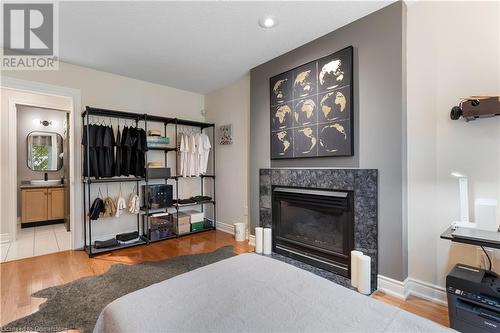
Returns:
(315, 226)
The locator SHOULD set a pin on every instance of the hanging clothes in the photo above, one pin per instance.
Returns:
(118, 154)
(134, 204)
(109, 208)
(194, 150)
(183, 155)
(101, 154)
(108, 145)
(126, 146)
(192, 155)
(120, 206)
(96, 209)
(90, 144)
(205, 152)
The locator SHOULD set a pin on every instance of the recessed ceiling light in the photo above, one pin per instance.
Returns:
(267, 22)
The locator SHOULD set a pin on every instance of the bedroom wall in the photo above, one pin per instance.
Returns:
(453, 52)
(116, 92)
(231, 105)
(380, 122)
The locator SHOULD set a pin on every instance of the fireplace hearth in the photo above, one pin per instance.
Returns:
(315, 226)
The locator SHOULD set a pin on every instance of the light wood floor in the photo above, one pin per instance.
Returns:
(19, 279)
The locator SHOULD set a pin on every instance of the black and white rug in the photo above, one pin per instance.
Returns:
(77, 305)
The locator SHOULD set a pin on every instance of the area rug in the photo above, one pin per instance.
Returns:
(77, 305)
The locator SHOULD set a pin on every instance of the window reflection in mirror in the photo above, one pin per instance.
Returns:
(45, 151)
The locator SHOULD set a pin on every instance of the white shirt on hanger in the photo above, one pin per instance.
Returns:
(192, 155)
(205, 152)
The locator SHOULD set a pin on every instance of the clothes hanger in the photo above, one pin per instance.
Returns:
(99, 193)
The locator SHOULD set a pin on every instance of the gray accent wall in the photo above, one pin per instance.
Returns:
(379, 116)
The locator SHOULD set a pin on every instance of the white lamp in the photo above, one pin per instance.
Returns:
(464, 196)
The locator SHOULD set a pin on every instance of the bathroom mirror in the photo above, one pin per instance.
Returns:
(45, 151)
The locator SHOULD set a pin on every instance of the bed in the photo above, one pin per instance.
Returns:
(254, 293)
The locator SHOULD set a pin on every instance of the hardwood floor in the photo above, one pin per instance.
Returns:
(420, 307)
(20, 278)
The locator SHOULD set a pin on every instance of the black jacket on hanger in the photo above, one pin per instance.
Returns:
(108, 150)
(96, 209)
(90, 141)
(101, 153)
(126, 145)
(118, 155)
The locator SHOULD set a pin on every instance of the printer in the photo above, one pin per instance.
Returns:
(473, 299)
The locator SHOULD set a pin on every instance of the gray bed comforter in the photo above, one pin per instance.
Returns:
(253, 293)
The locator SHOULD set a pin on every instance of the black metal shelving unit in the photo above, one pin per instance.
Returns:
(210, 224)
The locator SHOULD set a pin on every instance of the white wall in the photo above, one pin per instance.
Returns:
(105, 90)
(231, 105)
(452, 52)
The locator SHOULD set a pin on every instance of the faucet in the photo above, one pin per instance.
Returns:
(46, 176)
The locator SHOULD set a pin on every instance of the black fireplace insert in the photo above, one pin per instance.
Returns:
(315, 226)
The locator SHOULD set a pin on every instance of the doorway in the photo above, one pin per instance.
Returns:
(43, 160)
(55, 218)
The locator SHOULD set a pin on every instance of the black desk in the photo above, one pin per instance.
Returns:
(447, 234)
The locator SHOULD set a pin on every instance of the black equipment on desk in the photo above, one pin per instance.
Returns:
(473, 299)
(157, 196)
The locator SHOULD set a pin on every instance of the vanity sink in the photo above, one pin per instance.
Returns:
(45, 182)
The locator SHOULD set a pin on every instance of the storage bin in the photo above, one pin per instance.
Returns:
(161, 226)
(197, 226)
(158, 173)
(195, 215)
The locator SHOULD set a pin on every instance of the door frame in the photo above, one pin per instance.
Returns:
(74, 147)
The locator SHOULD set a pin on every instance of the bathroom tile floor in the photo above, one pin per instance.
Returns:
(36, 241)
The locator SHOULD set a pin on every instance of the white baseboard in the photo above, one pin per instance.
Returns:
(428, 291)
(225, 227)
(4, 238)
(392, 287)
(414, 287)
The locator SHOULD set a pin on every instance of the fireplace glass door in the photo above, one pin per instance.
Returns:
(315, 226)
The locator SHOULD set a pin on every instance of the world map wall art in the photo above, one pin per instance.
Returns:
(311, 109)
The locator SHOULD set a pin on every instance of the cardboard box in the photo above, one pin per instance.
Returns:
(195, 215)
(184, 219)
(182, 228)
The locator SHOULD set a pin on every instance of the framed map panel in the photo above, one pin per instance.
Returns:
(311, 108)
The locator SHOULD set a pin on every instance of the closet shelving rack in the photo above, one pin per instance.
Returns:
(209, 224)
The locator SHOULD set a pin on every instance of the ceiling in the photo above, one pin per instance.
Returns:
(195, 46)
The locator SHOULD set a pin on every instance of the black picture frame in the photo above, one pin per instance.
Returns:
(312, 109)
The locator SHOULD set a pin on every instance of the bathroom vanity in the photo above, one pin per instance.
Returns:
(41, 204)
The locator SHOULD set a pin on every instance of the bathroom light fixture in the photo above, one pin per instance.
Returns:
(463, 184)
(267, 22)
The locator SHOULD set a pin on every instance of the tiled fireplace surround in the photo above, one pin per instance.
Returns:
(364, 184)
